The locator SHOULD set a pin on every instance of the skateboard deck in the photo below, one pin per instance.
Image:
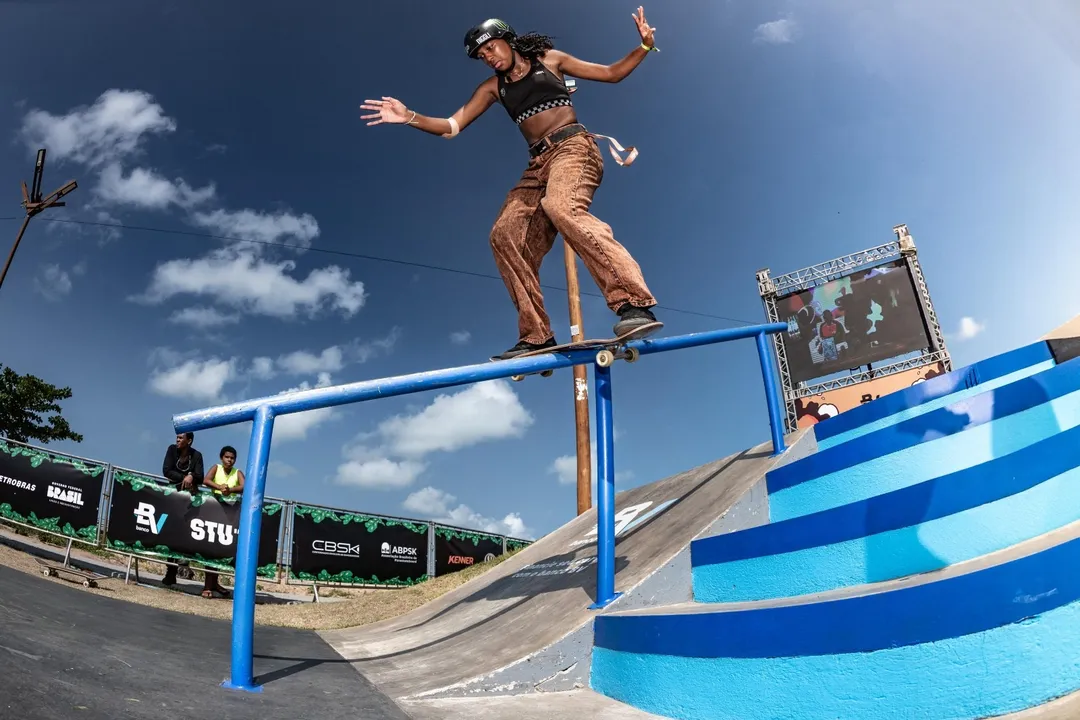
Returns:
(605, 345)
(89, 579)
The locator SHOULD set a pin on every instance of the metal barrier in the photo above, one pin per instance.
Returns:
(262, 411)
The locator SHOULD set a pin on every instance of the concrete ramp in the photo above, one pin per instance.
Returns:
(525, 626)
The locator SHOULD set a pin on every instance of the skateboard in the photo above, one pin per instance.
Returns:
(51, 569)
(609, 347)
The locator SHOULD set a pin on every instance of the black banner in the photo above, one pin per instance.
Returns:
(457, 549)
(334, 546)
(151, 519)
(50, 492)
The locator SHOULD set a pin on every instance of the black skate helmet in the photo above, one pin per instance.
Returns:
(487, 30)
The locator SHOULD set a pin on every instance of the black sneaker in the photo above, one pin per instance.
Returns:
(524, 347)
(631, 318)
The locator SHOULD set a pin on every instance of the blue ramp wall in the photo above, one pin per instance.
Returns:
(999, 366)
(924, 527)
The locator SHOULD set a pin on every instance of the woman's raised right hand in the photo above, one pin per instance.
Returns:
(387, 110)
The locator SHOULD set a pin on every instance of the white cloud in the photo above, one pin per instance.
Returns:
(461, 337)
(969, 328)
(481, 413)
(296, 426)
(379, 473)
(239, 279)
(331, 359)
(484, 411)
(439, 506)
(262, 368)
(776, 32)
(145, 189)
(302, 362)
(203, 317)
(280, 227)
(53, 282)
(193, 379)
(112, 128)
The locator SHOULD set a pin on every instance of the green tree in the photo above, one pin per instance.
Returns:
(24, 399)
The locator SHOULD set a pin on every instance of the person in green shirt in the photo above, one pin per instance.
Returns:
(223, 479)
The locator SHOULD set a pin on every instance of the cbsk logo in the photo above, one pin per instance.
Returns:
(330, 547)
(144, 518)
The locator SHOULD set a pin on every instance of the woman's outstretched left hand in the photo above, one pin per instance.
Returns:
(643, 27)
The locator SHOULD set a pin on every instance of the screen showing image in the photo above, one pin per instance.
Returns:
(865, 317)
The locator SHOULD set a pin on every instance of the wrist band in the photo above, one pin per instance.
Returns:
(646, 48)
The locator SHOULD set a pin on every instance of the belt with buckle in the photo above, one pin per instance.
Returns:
(552, 139)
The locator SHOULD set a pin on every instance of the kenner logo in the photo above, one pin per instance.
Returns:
(144, 518)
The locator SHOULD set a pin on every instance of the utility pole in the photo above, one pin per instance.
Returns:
(581, 388)
(34, 204)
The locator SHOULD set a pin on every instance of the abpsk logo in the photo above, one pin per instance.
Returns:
(145, 520)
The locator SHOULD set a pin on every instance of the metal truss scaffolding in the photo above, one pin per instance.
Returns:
(772, 288)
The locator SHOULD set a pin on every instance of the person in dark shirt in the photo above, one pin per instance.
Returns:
(183, 464)
(182, 467)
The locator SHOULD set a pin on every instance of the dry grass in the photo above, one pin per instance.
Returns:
(363, 606)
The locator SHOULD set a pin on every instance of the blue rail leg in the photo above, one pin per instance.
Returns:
(247, 553)
(772, 393)
(605, 491)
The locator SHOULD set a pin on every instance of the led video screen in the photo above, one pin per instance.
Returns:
(865, 317)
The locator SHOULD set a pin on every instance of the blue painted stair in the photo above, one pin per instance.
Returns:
(921, 565)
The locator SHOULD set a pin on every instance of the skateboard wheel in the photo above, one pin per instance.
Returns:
(546, 373)
(517, 378)
(631, 354)
(86, 583)
(46, 572)
(604, 358)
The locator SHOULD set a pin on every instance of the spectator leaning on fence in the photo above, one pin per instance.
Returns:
(223, 479)
(182, 467)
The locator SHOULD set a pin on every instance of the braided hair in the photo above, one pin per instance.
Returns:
(532, 45)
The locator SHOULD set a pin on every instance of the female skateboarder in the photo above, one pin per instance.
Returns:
(565, 168)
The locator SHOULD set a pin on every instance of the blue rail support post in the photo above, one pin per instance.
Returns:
(247, 553)
(772, 395)
(605, 490)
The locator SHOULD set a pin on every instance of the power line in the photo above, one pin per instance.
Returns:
(360, 256)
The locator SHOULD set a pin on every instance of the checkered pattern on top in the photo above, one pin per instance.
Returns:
(541, 108)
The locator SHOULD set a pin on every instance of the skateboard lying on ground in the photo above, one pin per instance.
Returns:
(608, 349)
(51, 569)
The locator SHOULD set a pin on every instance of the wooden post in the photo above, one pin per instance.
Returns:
(581, 388)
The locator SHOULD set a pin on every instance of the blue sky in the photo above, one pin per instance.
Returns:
(772, 134)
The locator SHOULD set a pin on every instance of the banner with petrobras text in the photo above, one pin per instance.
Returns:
(51, 492)
(154, 520)
(457, 548)
(337, 546)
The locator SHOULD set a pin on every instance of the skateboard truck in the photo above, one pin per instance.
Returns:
(605, 356)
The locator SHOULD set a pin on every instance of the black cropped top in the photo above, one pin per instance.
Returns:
(539, 90)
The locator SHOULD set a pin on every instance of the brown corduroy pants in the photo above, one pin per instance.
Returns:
(553, 196)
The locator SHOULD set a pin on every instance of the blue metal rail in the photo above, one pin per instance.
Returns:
(262, 411)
